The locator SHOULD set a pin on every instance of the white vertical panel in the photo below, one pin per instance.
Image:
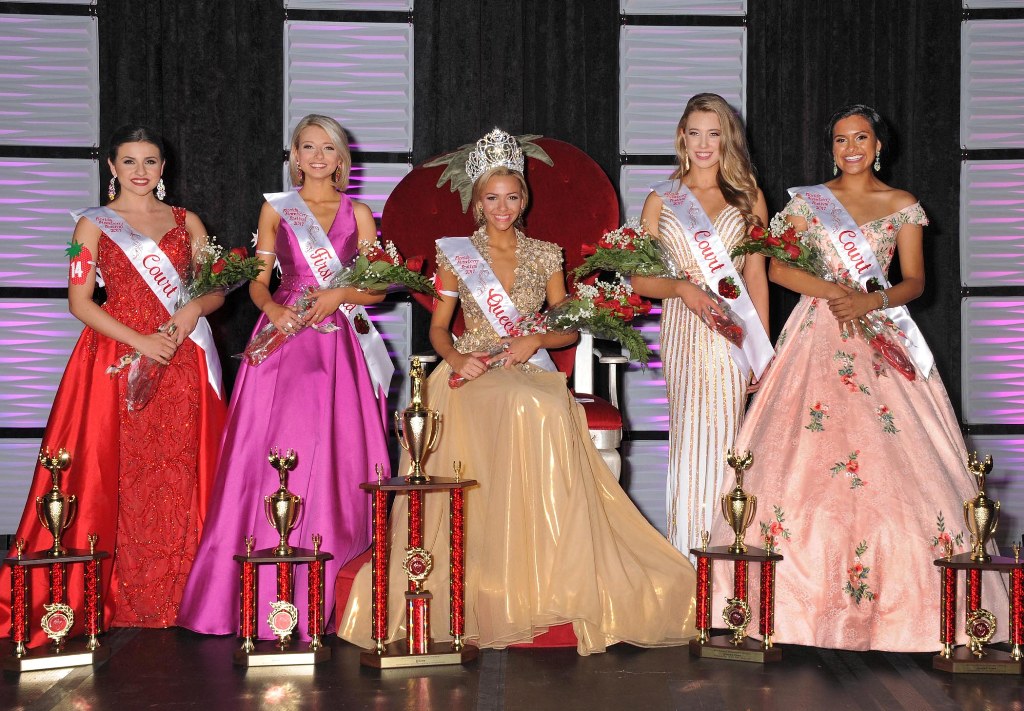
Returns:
(36, 195)
(371, 183)
(635, 185)
(992, 84)
(992, 360)
(357, 73)
(978, 4)
(19, 458)
(660, 68)
(992, 223)
(683, 7)
(1005, 483)
(36, 338)
(644, 471)
(49, 80)
(373, 5)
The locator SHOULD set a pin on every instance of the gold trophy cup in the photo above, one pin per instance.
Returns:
(417, 426)
(981, 514)
(738, 507)
(56, 510)
(282, 507)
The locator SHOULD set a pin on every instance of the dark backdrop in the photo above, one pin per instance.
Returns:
(207, 74)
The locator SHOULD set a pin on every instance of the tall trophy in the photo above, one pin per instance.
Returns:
(417, 426)
(283, 507)
(56, 510)
(981, 514)
(738, 507)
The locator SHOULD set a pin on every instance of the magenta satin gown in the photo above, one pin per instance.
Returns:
(314, 395)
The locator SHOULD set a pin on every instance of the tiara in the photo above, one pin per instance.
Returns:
(495, 149)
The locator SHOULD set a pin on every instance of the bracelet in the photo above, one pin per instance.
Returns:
(885, 300)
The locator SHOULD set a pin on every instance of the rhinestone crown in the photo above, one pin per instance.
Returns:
(495, 149)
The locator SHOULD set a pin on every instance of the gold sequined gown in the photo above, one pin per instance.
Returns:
(706, 392)
(550, 535)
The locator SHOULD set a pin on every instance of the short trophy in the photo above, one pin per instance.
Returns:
(981, 514)
(56, 510)
(283, 507)
(417, 426)
(738, 507)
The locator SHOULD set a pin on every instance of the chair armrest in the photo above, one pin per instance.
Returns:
(426, 357)
(610, 359)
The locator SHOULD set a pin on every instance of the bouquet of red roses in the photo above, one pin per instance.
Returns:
(603, 308)
(781, 241)
(213, 270)
(629, 250)
(377, 269)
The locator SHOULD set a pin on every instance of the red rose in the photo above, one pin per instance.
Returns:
(414, 264)
(629, 232)
(588, 250)
(792, 250)
(218, 266)
(644, 308)
(789, 236)
(629, 246)
(626, 313)
(240, 252)
(604, 244)
(634, 300)
(772, 241)
(757, 232)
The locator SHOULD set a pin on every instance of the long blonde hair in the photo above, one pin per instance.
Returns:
(735, 171)
(337, 135)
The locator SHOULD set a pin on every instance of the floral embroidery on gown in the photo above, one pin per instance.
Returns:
(550, 535)
(860, 476)
(706, 392)
(141, 478)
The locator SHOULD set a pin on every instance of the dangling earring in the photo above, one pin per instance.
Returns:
(301, 175)
(337, 175)
(878, 161)
(686, 162)
(161, 190)
(112, 188)
(478, 215)
(835, 168)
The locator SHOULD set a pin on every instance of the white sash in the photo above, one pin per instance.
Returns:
(859, 259)
(708, 250)
(487, 291)
(319, 253)
(159, 274)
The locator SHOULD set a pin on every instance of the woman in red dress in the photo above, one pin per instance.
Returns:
(141, 478)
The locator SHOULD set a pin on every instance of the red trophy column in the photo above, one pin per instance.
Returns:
(703, 598)
(457, 572)
(379, 606)
(1017, 612)
(766, 626)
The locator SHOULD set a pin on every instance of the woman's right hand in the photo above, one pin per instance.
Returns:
(159, 346)
(285, 318)
(469, 365)
(699, 302)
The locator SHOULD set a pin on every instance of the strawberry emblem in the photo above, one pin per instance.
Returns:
(728, 289)
(361, 324)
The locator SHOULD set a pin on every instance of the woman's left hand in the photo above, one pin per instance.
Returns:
(852, 305)
(183, 322)
(520, 349)
(325, 303)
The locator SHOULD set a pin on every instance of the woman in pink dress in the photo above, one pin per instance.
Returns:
(860, 472)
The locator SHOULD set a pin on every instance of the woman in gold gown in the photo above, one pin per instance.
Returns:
(550, 536)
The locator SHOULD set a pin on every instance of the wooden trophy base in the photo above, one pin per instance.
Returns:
(721, 647)
(995, 661)
(396, 656)
(269, 654)
(72, 654)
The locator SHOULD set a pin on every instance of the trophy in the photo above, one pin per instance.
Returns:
(282, 507)
(738, 507)
(418, 426)
(981, 514)
(56, 509)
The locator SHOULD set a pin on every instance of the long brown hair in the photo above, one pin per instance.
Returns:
(735, 171)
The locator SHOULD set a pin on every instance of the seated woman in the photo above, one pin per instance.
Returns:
(551, 538)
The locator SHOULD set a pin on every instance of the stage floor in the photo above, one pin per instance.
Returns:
(175, 669)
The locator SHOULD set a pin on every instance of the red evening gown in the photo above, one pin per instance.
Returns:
(142, 478)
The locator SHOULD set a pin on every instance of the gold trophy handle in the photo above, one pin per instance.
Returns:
(268, 510)
(302, 511)
(39, 511)
(995, 520)
(400, 432)
(751, 511)
(435, 416)
(72, 510)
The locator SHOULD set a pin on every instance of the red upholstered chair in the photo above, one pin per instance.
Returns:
(571, 202)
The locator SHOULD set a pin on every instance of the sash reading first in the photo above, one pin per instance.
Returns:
(708, 250)
(158, 273)
(487, 291)
(860, 261)
(323, 261)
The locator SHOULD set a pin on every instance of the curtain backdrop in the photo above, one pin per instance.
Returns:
(208, 75)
